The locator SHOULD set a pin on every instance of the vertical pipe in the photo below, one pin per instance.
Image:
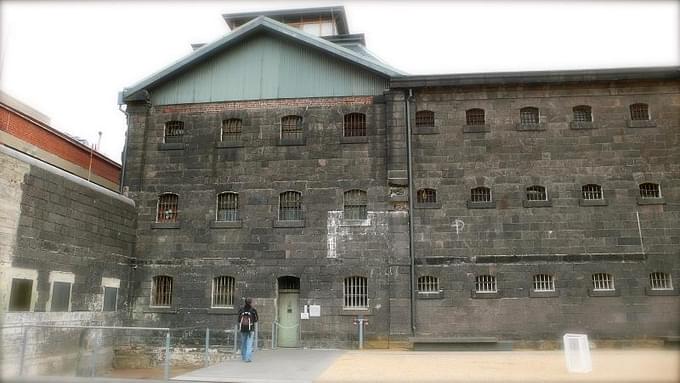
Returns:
(166, 370)
(93, 372)
(207, 346)
(23, 349)
(642, 246)
(273, 336)
(361, 333)
(409, 151)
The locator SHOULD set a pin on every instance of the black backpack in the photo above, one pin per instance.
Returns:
(246, 321)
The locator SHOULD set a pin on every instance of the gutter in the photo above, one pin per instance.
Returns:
(411, 252)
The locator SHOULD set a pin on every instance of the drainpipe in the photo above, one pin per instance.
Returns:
(125, 144)
(409, 151)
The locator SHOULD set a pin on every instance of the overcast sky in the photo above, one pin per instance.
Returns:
(70, 59)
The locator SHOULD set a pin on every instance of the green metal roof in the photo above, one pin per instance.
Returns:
(259, 24)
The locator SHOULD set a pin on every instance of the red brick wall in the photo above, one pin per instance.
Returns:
(26, 130)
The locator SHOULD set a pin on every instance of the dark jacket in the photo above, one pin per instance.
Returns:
(250, 309)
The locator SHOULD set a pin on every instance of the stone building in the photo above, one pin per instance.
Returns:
(287, 163)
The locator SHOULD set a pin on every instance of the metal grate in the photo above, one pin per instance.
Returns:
(355, 125)
(660, 281)
(591, 192)
(355, 292)
(603, 281)
(528, 115)
(544, 282)
(290, 206)
(355, 204)
(227, 207)
(474, 116)
(289, 283)
(485, 284)
(167, 208)
(424, 119)
(174, 130)
(161, 292)
(650, 190)
(582, 113)
(480, 194)
(291, 128)
(428, 284)
(536, 193)
(223, 291)
(639, 112)
(426, 196)
(231, 130)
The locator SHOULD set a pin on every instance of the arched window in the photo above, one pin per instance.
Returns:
(355, 125)
(355, 204)
(480, 194)
(166, 210)
(290, 206)
(426, 196)
(650, 190)
(485, 284)
(603, 281)
(161, 291)
(475, 117)
(227, 207)
(174, 131)
(528, 115)
(428, 284)
(591, 192)
(355, 292)
(536, 193)
(660, 281)
(639, 111)
(231, 130)
(223, 291)
(424, 119)
(582, 113)
(291, 128)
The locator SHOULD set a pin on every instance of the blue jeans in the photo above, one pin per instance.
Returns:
(247, 345)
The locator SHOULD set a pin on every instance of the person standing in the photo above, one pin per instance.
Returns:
(247, 317)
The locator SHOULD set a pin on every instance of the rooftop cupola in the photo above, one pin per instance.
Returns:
(324, 21)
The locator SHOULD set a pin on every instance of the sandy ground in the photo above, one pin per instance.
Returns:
(145, 373)
(518, 366)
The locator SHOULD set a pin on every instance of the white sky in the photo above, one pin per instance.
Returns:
(70, 59)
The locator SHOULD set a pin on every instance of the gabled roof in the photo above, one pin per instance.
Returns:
(259, 24)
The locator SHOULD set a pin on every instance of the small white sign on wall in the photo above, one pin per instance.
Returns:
(304, 315)
(314, 310)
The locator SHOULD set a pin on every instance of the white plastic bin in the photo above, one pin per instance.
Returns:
(577, 353)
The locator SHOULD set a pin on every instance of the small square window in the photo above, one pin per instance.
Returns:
(174, 132)
(485, 284)
(544, 282)
(650, 190)
(660, 281)
(603, 282)
(424, 119)
(20, 294)
(428, 284)
(639, 112)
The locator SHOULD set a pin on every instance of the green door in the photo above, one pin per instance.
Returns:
(289, 318)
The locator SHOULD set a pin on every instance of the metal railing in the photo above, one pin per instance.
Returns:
(275, 332)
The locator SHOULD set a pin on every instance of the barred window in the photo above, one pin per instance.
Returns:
(161, 291)
(480, 194)
(485, 284)
(174, 131)
(231, 130)
(167, 208)
(355, 125)
(650, 190)
(223, 291)
(428, 284)
(582, 113)
(528, 115)
(639, 111)
(290, 206)
(536, 193)
(474, 116)
(355, 204)
(355, 293)
(227, 207)
(544, 282)
(660, 281)
(591, 192)
(426, 196)
(424, 119)
(291, 128)
(603, 281)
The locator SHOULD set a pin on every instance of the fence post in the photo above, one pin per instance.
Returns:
(207, 347)
(361, 332)
(257, 334)
(93, 372)
(273, 335)
(166, 372)
(23, 349)
(235, 338)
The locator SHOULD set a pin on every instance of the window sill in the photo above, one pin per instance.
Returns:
(581, 125)
(222, 310)
(222, 144)
(592, 202)
(603, 293)
(641, 123)
(291, 223)
(650, 201)
(355, 222)
(171, 146)
(354, 140)
(660, 292)
(476, 128)
(481, 205)
(430, 295)
(425, 130)
(480, 295)
(420, 205)
(530, 204)
(292, 142)
(530, 127)
(160, 310)
(165, 225)
(543, 294)
(356, 311)
(226, 224)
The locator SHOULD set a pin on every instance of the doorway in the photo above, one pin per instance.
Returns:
(289, 312)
